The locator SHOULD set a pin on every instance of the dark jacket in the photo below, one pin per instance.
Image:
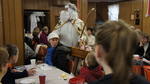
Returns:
(60, 59)
(108, 80)
(58, 56)
(9, 77)
(140, 51)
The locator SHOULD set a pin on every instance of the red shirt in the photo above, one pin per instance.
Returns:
(91, 75)
(43, 38)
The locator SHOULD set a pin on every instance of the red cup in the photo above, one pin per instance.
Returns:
(42, 79)
(77, 80)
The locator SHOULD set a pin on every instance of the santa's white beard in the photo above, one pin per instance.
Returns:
(73, 14)
(64, 16)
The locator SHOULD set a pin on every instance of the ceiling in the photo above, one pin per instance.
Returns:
(107, 0)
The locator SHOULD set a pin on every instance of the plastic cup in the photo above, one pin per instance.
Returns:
(33, 61)
(42, 79)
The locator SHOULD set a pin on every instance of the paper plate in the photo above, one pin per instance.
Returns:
(27, 81)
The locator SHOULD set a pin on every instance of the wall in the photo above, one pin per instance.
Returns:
(1, 24)
(37, 4)
(128, 8)
(13, 25)
(102, 11)
(92, 17)
(82, 6)
(146, 19)
(54, 15)
(125, 11)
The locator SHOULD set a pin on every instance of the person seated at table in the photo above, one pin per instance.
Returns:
(35, 39)
(28, 54)
(53, 40)
(43, 35)
(12, 73)
(3, 62)
(91, 38)
(114, 50)
(143, 49)
(56, 53)
(91, 71)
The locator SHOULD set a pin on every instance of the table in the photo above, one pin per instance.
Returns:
(53, 75)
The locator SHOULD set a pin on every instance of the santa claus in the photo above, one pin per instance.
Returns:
(70, 26)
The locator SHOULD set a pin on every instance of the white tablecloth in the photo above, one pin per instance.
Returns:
(53, 75)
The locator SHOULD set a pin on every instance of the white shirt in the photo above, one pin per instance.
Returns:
(145, 48)
(91, 40)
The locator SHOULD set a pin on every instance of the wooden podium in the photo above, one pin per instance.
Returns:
(77, 54)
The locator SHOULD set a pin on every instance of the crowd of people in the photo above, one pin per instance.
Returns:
(111, 50)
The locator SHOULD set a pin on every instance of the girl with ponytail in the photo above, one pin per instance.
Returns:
(115, 45)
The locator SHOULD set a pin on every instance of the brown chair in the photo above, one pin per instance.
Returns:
(137, 69)
(77, 54)
(147, 72)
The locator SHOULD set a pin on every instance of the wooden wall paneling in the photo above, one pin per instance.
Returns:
(83, 9)
(125, 11)
(138, 4)
(55, 12)
(13, 27)
(101, 11)
(92, 17)
(1, 25)
(146, 19)
(6, 21)
(37, 4)
(128, 8)
(19, 29)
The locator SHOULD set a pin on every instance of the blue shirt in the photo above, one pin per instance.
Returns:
(49, 55)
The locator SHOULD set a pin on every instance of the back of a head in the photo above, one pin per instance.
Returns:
(119, 42)
(12, 50)
(90, 59)
(3, 57)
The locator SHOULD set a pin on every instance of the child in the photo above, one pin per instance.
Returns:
(12, 74)
(43, 35)
(53, 40)
(57, 53)
(91, 38)
(3, 61)
(115, 45)
(91, 71)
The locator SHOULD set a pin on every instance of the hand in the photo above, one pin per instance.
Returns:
(31, 72)
(145, 60)
(15, 70)
(141, 43)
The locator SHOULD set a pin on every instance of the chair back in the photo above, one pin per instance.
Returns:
(147, 72)
(77, 54)
(137, 69)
